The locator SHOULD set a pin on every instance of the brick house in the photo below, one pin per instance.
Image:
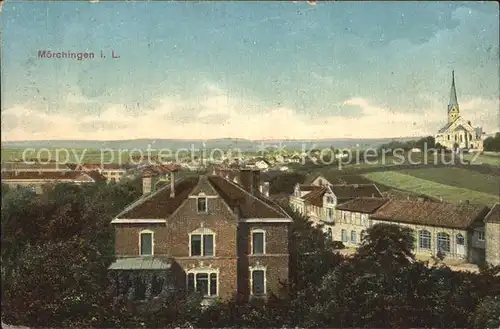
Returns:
(202, 233)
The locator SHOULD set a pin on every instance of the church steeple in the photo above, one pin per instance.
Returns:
(453, 110)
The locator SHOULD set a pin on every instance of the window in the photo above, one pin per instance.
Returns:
(156, 285)
(329, 234)
(146, 243)
(343, 235)
(203, 282)
(258, 282)
(202, 204)
(202, 243)
(480, 236)
(329, 212)
(258, 242)
(460, 239)
(443, 242)
(344, 216)
(424, 239)
(363, 219)
(353, 236)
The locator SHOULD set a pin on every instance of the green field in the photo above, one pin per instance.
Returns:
(491, 159)
(65, 155)
(435, 189)
(458, 177)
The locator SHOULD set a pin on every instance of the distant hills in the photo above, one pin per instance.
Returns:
(221, 143)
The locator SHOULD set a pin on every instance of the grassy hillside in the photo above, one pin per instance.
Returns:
(434, 189)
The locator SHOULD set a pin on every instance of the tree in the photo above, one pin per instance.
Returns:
(487, 314)
(388, 247)
(492, 143)
(56, 248)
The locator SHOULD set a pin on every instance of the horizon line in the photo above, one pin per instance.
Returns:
(205, 140)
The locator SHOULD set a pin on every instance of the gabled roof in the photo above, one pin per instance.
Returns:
(345, 192)
(362, 205)
(250, 206)
(460, 127)
(160, 205)
(305, 188)
(315, 197)
(439, 214)
(494, 215)
(96, 176)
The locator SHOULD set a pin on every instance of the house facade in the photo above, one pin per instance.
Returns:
(492, 235)
(319, 200)
(39, 181)
(112, 172)
(205, 234)
(455, 231)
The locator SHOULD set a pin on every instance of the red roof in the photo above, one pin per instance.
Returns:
(159, 205)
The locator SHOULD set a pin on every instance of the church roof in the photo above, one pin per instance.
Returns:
(460, 127)
(445, 128)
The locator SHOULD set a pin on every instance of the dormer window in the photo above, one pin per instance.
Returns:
(202, 204)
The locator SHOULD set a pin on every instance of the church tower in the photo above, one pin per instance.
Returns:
(453, 110)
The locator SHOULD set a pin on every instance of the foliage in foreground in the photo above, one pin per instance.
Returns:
(56, 248)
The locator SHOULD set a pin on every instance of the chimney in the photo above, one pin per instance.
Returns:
(172, 184)
(255, 180)
(264, 189)
(246, 179)
(147, 182)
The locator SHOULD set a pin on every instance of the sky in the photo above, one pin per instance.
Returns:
(255, 70)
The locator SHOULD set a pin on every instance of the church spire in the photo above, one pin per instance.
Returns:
(453, 111)
(453, 93)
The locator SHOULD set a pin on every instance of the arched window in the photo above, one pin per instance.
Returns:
(329, 234)
(424, 239)
(353, 237)
(443, 242)
(460, 239)
(343, 235)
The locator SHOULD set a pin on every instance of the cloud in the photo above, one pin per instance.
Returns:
(217, 115)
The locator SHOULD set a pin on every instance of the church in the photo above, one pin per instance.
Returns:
(459, 134)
